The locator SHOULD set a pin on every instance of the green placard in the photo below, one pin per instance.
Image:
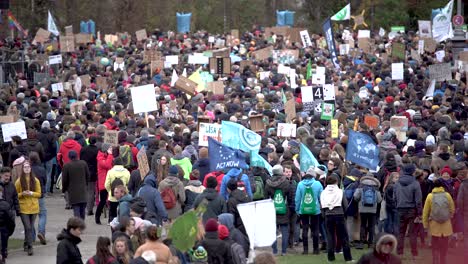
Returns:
(398, 51)
(398, 29)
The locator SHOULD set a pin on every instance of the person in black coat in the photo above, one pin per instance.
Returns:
(9, 190)
(382, 252)
(216, 204)
(67, 248)
(49, 142)
(89, 155)
(236, 197)
(218, 250)
(202, 164)
(75, 176)
(17, 151)
(7, 224)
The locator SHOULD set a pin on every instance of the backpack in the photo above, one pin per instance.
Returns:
(440, 211)
(125, 153)
(259, 193)
(237, 254)
(279, 202)
(116, 182)
(369, 196)
(169, 198)
(308, 204)
(349, 191)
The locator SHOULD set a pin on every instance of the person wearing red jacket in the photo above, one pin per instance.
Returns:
(104, 164)
(69, 144)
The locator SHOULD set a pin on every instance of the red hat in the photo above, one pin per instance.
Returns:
(211, 225)
(402, 86)
(223, 232)
(389, 99)
(446, 169)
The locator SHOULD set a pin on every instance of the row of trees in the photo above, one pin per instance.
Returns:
(213, 15)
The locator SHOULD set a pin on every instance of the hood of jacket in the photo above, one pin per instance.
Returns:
(408, 169)
(171, 180)
(70, 143)
(66, 235)
(384, 238)
(308, 182)
(190, 150)
(227, 220)
(118, 168)
(126, 198)
(406, 180)
(210, 194)
(234, 172)
(240, 196)
(150, 180)
(444, 156)
(195, 183)
(205, 162)
(179, 157)
(278, 182)
(32, 142)
(371, 181)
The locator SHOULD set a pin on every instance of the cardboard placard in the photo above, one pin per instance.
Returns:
(142, 160)
(290, 109)
(67, 43)
(262, 54)
(283, 31)
(235, 33)
(76, 108)
(371, 121)
(83, 38)
(14, 129)
(69, 30)
(153, 55)
(85, 80)
(285, 56)
(463, 56)
(216, 87)
(42, 36)
(141, 35)
(186, 85)
(430, 45)
(220, 65)
(286, 130)
(110, 39)
(225, 52)
(256, 123)
(440, 72)
(7, 119)
(101, 82)
(398, 51)
(111, 137)
(203, 119)
(207, 130)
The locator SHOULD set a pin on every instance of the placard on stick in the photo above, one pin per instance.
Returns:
(220, 65)
(186, 85)
(216, 87)
(286, 130)
(143, 165)
(256, 123)
(67, 43)
(111, 137)
(7, 119)
(83, 38)
(42, 36)
(14, 129)
(141, 35)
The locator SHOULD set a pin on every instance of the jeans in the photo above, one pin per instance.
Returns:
(48, 167)
(91, 190)
(392, 223)
(439, 249)
(293, 235)
(336, 225)
(367, 225)
(284, 228)
(113, 210)
(312, 222)
(79, 210)
(4, 241)
(407, 216)
(42, 217)
(28, 224)
(102, 202)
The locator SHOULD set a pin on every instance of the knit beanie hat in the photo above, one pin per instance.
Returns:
(277, 170)
(446, 169)
(223, 232)
(199, 254)
(211, 225)
(45, 124)
(173, 171)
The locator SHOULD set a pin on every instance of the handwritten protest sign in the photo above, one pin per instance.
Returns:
(216, 87)
(286, 130)
(207, 130)
(186, 85)
(334, 128)
(67, 43)
(307, 98)
(400, 124)
(262, 54)
(14, 129)
(111, 137)
(440, 72)
(397, 71)
(83, 38)
(42, 36)
(55, 59)
(57, 87)
(290, 110)
(142, 160)
(220, 65)
(141, 35)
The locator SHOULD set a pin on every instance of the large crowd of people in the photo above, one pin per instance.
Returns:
(420, 188)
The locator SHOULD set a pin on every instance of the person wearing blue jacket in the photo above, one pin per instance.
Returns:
(234, 173)
(152, 197)
(309, 212)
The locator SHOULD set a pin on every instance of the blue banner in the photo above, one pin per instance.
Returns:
(328, 32)
(222, 156)
(308, 159)
(258, 161)
(362, 150)
(239, 137)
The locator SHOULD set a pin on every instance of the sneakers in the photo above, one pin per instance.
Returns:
(42, 239)
(30, 251)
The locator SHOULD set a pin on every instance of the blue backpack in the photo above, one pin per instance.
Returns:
(369, 196)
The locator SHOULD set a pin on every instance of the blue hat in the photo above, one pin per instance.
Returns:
(173, 171)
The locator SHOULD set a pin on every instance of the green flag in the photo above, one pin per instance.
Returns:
(283, 96)
(309, 70)
(343, 14)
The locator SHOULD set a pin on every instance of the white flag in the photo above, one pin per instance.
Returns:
(343, 14)
(174, 78)
(442, 23)
(184, 73)
(51, 27)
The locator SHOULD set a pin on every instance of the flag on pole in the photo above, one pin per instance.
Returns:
(222, 156)
(343, 14)
(13, 23)
(309, 70)
(258, 161)
(174, 78)
(283, 97)
(51, 26)
(239, 137)
(307, 159)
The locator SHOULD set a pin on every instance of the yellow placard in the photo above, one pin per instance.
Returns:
(334, 128)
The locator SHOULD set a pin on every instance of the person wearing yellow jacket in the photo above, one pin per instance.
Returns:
(437, 213)
(118, 175)
(28, 188)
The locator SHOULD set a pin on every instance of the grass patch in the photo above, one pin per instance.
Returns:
(15, 243)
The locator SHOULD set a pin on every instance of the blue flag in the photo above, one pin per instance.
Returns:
(237, 136)
(222, 156)
(258, 161)
(307, 159)
(362, 150)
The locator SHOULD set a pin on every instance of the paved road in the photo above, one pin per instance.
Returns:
(57, 218)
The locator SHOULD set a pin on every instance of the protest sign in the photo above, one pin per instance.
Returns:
(198, 58)
(207, 130)
(235, 33)
(186, 85)
(264, 75)
(247, 63)
(101, 82)
(330, 40)
(142, 160)
(400, 124)
(440, 72)
(425, 28)
(306, 42)
(344, 49)
(7, 119)
(421, 46)
(225, 52)
(397, 71)
(463, 56)
(259, 219)
(83, 38)
(334, 128)
(283, 69)
(220, 65)
(307, 98)
(328, 92)
(290, 110)
(141, 35)
(262, 54)
(111, 137)
(152, 55)
(285, 56)
(40, 77)
(57, 87)
(371, 121)
(67, 43)
(144, 99)
(398, 51)
(85, 80)
(327, 111)
(110, 39)
(42, 36)
(415, 55)
(55, 59)
(172, 60)
(69, 30)
(223, 156)
(286, 130)
(440, 55)
(363, 34)
(430, 45)
(362, 150)
(216, 87)
(13, 129)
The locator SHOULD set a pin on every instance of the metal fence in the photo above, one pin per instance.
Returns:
(13, 63)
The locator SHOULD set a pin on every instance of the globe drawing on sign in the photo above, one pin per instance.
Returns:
(250, 139)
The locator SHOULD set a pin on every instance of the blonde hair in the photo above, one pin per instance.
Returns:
(126, 257)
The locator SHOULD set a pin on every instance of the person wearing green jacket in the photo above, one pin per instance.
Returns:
(182, 161)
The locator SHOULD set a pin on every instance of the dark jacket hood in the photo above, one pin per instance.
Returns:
(204, 162)
(150, 180)
(66, 235)
(240, 196)
(227, 220)
(409, 169)
(406, 180)
(210, 194)
(278, 182)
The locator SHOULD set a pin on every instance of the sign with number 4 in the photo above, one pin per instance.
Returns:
(317, 93)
